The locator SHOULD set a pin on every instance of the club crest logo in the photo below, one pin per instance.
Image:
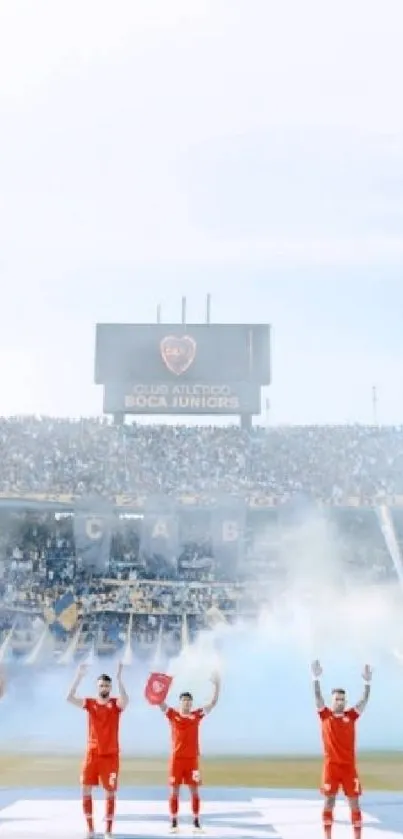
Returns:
(178, 354)
(157, 686)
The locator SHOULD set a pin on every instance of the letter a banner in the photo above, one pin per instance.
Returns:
(160, 529)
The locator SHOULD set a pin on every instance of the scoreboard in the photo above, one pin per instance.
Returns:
(178, 368)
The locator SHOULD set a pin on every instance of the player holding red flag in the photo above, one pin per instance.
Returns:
(338, 736)
(101, 762)
(184, 763)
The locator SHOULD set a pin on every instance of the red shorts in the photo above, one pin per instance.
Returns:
(338, 776)
(184, 771)
(100, 771)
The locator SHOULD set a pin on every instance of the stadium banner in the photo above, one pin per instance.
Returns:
(135, 502)
(93, 523)
(175, 398)
(194, 501)
(228, 528)
(160, 528)
(150, 584)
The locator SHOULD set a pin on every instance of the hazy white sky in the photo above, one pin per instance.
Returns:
(249, 149)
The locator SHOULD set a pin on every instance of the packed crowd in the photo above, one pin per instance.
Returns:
(38, 559)
(330, 463)
(39, 565)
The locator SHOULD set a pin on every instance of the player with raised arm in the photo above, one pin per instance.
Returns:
(101, 762)
(184, 763)
(338, 736)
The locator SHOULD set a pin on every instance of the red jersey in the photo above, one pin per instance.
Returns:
(338, 735)
(185, 733)
(103, 726)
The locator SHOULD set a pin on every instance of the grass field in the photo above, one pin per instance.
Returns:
(383, 771)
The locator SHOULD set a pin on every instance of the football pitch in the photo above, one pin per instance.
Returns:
(379, 771)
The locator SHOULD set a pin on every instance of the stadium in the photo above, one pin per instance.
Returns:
(201, 494)
(191, 549)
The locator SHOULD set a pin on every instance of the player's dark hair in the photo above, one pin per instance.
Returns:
(185, 695)
(104, 678)
(339, 690)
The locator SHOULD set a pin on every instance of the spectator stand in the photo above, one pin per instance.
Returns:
(53, 605)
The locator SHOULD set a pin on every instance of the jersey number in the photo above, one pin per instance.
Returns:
(196, 776)
(112, 779)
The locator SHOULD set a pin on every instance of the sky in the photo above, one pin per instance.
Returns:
(250, 149)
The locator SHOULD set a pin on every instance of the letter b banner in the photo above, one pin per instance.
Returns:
(228, 529)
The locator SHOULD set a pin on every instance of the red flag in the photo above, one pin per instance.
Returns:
(157, 687)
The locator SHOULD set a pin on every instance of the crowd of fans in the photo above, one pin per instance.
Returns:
(349, 469)
(330, 463)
